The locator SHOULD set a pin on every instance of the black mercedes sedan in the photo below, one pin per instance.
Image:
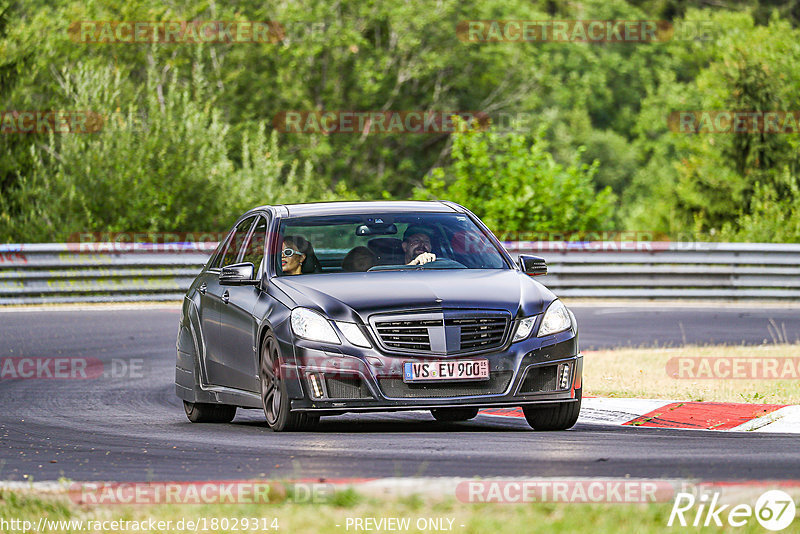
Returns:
(320, 309)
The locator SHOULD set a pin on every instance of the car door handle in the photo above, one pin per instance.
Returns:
(226, 297)
(202, 289)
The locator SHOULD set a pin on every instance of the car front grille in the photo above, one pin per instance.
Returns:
(480, 332)
(396, 388)
(443, 332)
(407, 334)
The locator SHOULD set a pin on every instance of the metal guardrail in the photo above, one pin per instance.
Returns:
(677, 270)
(104, 272)
(98, 272)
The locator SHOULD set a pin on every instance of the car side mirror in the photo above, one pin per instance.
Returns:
(238, 274)
(532, 265)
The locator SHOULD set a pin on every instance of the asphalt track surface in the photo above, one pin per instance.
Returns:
(133, 428)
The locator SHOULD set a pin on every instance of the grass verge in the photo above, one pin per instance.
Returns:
(422, 515)
(666, 373)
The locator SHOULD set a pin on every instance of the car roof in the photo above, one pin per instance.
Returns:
(346, 207)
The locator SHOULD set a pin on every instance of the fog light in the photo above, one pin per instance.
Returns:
(564, 383)
(316, 386)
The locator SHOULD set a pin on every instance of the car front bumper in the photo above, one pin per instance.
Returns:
(342, 379)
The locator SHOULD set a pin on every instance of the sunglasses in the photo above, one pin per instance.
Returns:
(288, 252)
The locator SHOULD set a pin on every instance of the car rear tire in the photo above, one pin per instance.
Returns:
(199, 412)
(559, 416)
(274, 396)
(450, 415)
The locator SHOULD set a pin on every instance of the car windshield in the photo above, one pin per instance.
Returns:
(379, 242)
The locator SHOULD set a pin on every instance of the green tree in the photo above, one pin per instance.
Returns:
(161, 166)
(706, 182)
(514, 184)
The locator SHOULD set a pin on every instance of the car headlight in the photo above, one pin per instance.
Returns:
(556, 319)
(311, 325)
(353, 334)
(524, 328)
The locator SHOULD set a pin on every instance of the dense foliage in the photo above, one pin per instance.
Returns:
(518, 188)
(189, 138)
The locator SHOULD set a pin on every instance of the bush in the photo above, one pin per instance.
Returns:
(164, 165)
(513, 184)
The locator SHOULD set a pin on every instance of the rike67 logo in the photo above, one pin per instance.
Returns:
(774, 510)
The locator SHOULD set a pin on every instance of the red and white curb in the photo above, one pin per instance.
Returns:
(659, 413)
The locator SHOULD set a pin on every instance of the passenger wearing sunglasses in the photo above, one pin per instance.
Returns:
(297, 256)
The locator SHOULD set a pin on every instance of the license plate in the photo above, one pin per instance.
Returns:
(453, 370)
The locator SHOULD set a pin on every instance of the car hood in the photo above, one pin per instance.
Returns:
(341, 295)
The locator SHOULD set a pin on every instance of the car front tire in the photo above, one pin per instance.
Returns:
(274, 396)
(559, 416)
(199, 412)
(450, 415)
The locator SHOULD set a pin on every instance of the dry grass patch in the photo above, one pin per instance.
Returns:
(695, 373)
